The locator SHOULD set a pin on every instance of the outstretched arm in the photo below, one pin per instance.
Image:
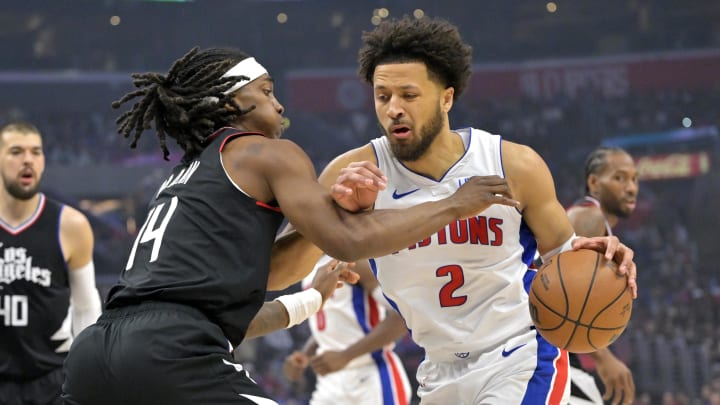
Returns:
(354, 236)
(289, 310)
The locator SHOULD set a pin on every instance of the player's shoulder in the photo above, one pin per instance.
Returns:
(359, 154)
(362, 153)
(585, 210)
(521, 162)
(264, 154)
(517, 153)
(73, 220)
(587, 219)
(260, 146)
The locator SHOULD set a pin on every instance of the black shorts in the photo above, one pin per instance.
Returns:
(43, 390)
(155, 353)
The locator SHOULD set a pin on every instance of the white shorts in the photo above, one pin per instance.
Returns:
(526, 370)
(383, 382)
(584, 382)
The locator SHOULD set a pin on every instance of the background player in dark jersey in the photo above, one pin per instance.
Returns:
(611, 187)
(197, 274)
(47, 277)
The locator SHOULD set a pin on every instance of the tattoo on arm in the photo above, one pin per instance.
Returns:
(271, 317)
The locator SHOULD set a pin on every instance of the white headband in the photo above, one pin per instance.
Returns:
(247, 67)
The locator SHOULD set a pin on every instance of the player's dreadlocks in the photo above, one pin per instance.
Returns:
(188, 103)
(433, 41)
(596, 161)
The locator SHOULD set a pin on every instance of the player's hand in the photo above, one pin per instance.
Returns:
(329, 362)
(615, 251)
(616, 377)
(332, 275)
(479, 193)
(358, 185)
(294, 365)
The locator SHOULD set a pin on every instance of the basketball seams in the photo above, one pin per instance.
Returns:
(551, 309)
(620, 329)
(585, 300)
(592, 290)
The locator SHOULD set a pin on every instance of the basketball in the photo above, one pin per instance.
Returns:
(578, 301)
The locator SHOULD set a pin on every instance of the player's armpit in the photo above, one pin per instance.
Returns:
(293, 257)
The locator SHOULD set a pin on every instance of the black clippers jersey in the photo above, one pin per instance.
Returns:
(205, 244)
(34, 295)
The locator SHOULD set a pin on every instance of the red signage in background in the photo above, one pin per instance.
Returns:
(672, 166)
(610, 77)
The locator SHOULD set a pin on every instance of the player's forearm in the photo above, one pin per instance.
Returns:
(271, 317)
(601, 355)
(310, 347)
(382, 232)
(386, 332)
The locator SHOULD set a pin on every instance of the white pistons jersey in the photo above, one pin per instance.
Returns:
(464, 288)
(346, 317)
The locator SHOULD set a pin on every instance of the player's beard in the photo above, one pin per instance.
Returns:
(17, 191)
(414, 150)
(613, 206)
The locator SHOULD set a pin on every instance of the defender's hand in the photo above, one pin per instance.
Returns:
(358, 185)
(479, 193)
(329, 362)
(332, 275)
(294, 365)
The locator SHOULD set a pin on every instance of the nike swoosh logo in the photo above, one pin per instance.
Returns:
(397, 195)
(506, 353)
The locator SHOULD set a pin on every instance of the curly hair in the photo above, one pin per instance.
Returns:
(187, 104)
(432, 41)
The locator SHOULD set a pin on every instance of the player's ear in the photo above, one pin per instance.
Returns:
(592, 183)
(446, 99)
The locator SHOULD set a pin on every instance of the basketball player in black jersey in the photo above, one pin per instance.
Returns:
(611, 189)
(196, 277)
(45, 266)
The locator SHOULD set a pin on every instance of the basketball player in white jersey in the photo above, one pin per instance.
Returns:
(463, 291)
(611, 189)
(351, 347)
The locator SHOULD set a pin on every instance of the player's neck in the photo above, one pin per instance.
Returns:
(14, 211)
(611, 219)
(447, 148)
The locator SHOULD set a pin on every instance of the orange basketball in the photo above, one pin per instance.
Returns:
(578, 301)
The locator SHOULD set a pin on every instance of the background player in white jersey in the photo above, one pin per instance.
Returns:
(611, 189)
(351, 347)
(47, 277)
(462, 291)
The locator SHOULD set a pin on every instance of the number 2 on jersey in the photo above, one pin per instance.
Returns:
(149, 232)
(457, 279)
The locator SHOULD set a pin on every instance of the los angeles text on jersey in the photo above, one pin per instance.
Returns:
(480, 230)
(15, 264)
